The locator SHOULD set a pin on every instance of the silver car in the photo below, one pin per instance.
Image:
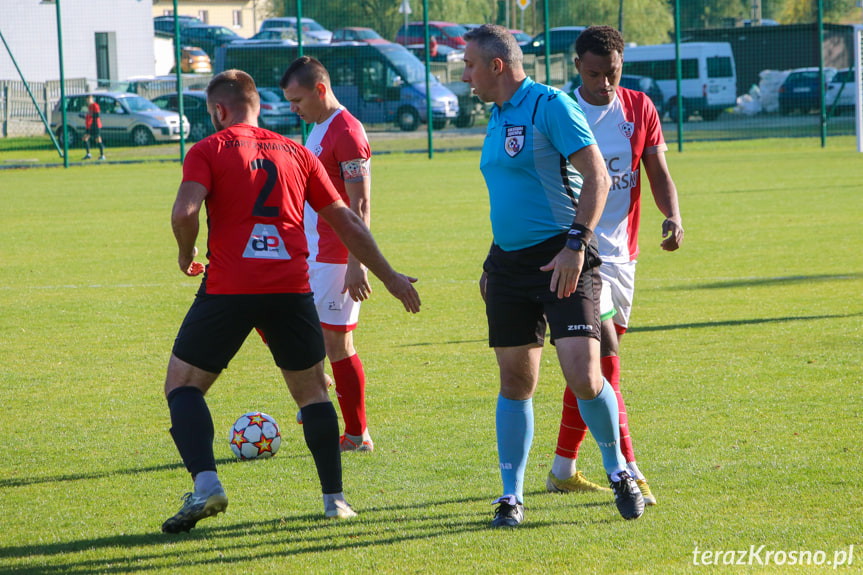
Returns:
(125, 118)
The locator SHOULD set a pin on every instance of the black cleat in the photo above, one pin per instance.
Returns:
(627, 496)
(194, 509)
(510, 513)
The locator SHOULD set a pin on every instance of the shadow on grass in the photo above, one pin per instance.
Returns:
(241, 543)
(737, 322)
(23, 481)
(753, 282)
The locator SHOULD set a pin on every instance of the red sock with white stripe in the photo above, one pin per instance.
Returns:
(572, 432)
(351, 392)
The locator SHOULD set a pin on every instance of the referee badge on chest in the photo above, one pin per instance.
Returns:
(514, 141)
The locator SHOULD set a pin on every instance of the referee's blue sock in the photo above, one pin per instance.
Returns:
(603, 419)
(514, 422)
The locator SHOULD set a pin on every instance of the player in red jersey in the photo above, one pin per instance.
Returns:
(339, 281)
(628, 131)
(93, 126)
(255, 184)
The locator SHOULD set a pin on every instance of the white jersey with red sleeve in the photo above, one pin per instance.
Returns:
(341, 144)
(625, 130)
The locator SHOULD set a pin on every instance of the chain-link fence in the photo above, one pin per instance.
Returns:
(748, 68)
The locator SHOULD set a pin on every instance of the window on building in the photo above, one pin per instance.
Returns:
(204, 16)
(237, 18)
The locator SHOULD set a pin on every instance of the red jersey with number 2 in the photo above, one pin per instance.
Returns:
(257, 183)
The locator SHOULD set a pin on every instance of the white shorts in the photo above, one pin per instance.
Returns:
(618, 290)
(337, 311)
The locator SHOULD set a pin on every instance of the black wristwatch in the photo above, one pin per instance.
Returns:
(578, 237)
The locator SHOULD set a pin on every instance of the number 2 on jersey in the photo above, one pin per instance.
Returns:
(260, 209)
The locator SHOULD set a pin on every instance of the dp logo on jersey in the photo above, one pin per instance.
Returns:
(266, 243)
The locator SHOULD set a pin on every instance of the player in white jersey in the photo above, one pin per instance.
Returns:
(338, 280)
(627, 129)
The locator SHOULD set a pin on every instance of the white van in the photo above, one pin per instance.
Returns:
(708, 76)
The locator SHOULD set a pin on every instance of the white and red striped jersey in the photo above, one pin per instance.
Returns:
(625, 130)
(341, 144)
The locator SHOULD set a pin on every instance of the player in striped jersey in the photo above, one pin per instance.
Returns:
(627, 129)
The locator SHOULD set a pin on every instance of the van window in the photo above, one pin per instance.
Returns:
(342, 72)
(373, 80)
(663, 69)
(719, 67)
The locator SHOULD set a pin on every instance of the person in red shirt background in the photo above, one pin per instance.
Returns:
(93, 125)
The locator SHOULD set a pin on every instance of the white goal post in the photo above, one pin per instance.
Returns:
(858, 84)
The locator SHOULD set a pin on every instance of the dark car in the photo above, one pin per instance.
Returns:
(194, 108)
(446, 33)
(801, 90)
(357, 34)
(562, 41)
(166, 23)
(208, 37)
(276, 114)
(644, 84)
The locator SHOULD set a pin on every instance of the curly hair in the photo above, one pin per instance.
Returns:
(600, 40)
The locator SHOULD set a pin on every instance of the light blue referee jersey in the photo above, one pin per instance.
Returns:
(533, 189)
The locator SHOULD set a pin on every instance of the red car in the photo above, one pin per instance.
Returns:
(445, 33)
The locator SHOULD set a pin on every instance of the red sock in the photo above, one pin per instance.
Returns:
(610, 365)
(351, 391)
(572, 427)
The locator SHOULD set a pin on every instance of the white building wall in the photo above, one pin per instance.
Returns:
(30, 30)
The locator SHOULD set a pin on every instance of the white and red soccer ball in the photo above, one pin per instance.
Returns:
(255, 435)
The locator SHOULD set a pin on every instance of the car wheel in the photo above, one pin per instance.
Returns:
(710, 115)
(672, 112)
(71, 137)
(408, 119)
(198, 131)
(141, 136)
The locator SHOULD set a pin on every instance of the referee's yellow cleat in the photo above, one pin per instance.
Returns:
(578, 483)
(649, 498)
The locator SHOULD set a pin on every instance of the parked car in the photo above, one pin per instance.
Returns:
(644, 84)
(840, 91)
(194, 108)
(208, 37)
(276, 114)
(521, 37)
(443, 53)
(356, 34)
(445, 33)
(313, 33)
(193, 60)
(801, 90)
(273, 35)
(166, 23)
(561, 41)
(125, 118)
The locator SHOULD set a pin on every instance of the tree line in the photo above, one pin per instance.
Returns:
(643, 21)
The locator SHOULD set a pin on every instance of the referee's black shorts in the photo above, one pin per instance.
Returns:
(519, 304)
(216, 326)
(94, 131)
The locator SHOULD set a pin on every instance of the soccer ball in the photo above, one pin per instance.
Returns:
(255, 435)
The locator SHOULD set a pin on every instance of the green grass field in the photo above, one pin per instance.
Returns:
(742, 373)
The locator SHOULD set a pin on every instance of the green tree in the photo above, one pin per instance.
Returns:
(644, 21)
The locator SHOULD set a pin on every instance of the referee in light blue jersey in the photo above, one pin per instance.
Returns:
(547, 185)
